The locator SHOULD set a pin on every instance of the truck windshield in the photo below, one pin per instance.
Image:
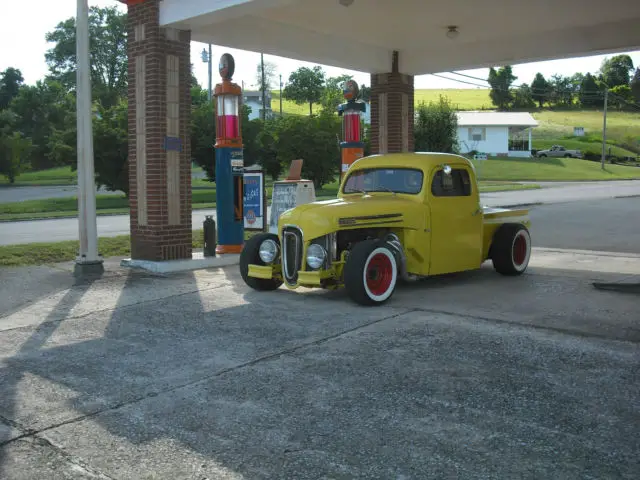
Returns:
(395, 180)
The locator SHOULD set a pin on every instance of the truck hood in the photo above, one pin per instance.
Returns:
(320, 218)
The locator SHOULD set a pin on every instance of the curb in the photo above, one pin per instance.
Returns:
(198, 262)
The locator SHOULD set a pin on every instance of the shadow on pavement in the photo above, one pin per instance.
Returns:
(29, 354)
(213, 381)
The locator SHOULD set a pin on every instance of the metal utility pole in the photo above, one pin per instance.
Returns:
(264, 100)
(210, 75)
(280, 94)
(604, 128)
(206, 58)
(88, 260)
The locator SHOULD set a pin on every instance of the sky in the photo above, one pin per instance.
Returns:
(22, 36)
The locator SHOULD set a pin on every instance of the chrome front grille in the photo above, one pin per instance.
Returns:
(291, 253)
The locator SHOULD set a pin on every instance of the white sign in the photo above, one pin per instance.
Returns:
(253, 202)
(480, 156)
(283, 198)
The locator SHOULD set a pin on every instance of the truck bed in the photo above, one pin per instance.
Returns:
(493, 217)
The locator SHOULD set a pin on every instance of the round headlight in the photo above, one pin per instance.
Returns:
(316, 256)
(268, 251)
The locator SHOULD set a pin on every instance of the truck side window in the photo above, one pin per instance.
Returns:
(458, 184)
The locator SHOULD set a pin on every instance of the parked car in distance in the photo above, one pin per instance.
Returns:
(559, 151)
(397, 216)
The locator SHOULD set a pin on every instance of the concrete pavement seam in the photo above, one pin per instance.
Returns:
(73, 459)
(219, 373)
(526, 326)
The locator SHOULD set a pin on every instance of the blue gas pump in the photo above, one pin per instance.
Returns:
(229, 161)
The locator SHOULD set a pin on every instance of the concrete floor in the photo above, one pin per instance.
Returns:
(193, 376)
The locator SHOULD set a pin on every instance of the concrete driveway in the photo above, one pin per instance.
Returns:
(133, 376)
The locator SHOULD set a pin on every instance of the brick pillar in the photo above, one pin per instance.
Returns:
(159, 139)
(391, 113)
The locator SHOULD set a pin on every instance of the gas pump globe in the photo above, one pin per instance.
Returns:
(229, 161)
(352, 146)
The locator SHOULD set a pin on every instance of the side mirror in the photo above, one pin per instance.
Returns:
(447, 170)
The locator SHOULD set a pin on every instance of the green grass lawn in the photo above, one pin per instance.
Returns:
(551, 169)
(53, 176)
(55, 252)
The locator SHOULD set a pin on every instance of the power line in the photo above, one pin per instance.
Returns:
(457, 80)
(538, 92)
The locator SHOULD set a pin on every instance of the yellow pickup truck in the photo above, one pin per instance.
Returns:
(396, 217)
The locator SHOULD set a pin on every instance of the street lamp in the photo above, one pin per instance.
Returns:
(206, 58)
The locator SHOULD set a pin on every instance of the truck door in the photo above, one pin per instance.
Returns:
(456, 221)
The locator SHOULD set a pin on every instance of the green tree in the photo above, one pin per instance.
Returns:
(500, 81)
(523, 97)
(203, 134)
(14, 147)
(108, 53)
(11, 81)
(333, 92)
(365, 93)
(270, 72)
(635, 85)
(111, 147)
(436, 127)
(314, 140)
(616, 70)
(305, 86)
(46, 113)
(561, 94)
(590, 94)
(266, 141)
(250, 131)
(622, 97)
(540, 89)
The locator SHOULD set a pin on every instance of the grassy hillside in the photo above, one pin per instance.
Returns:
(551, 169)
(461, 98)
(589, 144)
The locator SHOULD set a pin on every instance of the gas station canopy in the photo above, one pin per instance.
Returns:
(429, 35)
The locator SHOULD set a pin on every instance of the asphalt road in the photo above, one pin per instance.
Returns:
(67, 229)
(20, 194)
(611, 225)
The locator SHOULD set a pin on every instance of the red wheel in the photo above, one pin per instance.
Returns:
(520, 249)
(511, 249)
(371, 273)
(378, 274)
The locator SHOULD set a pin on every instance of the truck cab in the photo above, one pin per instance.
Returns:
(396, 216)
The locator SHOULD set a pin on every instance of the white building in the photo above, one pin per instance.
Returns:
(496, 133)
(253, 99)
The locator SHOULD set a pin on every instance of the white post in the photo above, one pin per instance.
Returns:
(88, 259)
(530, 140)
(604, 128)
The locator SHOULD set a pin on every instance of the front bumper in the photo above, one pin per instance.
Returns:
(266, 272)
(315, 278)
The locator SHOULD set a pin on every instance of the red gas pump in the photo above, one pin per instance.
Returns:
(352, 146)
